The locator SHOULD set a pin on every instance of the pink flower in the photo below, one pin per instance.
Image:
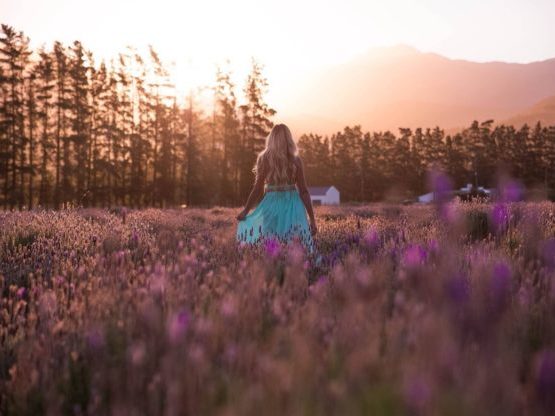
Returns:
(371, 239)
(228, 307)
(177, 326)
(414, 256)
(137, 353)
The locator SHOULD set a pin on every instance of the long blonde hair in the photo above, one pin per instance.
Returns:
(278, 158)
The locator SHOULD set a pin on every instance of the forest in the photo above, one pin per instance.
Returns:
(77, 132)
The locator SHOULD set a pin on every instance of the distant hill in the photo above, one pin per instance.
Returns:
(543, 111)
(400, 86)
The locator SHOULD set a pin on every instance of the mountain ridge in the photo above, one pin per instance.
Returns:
(388, 88)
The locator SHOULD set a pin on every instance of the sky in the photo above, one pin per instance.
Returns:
(289, 37)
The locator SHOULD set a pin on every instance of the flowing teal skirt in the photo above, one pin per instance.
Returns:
(280, 215)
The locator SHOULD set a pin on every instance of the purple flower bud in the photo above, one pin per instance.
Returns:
(177, 326)
(228, 307)
(371, 239)
(414, 256)
(21, 292)
(499, 217)
(433, 247)
(272, 248)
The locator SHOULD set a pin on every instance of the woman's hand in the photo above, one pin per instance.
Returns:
(313, 227)
(242, 215)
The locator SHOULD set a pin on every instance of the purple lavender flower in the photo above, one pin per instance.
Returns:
(272, 248)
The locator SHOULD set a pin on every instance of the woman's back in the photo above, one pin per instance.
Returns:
(282, 212)
(290, 177)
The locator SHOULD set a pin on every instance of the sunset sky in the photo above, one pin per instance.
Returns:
(289, 37)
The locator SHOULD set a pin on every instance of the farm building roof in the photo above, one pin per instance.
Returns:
(318, 190)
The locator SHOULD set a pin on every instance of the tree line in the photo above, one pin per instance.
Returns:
(74, 132)
(77, 132)
(367, 166)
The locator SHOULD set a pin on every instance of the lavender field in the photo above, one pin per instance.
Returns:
(412, 310)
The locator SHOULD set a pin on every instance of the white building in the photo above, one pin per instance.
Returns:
(324, 195)
(426, 198)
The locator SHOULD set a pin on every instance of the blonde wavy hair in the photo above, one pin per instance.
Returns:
(278, 158)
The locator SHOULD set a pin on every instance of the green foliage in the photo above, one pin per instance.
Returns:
(74, 132)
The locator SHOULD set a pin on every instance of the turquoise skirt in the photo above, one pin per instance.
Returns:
(280, 215)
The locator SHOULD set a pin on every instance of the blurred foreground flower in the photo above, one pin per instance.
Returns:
(414, 256)
(178, 324)
(442, 186)
(511, 190)
(371, 238)
(95, 338)
(417, 393)
(545, 379)
(548, 253)
(457, 289)
(272, 247)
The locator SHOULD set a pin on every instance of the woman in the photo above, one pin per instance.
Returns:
(282, 213)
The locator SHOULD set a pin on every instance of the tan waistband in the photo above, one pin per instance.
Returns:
(274, 188)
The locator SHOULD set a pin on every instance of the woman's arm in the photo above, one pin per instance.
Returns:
(256, 193)
(305, 195)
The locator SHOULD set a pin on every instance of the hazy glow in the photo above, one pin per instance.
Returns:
(289, 36)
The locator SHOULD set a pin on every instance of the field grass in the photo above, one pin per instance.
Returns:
(412, 310)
